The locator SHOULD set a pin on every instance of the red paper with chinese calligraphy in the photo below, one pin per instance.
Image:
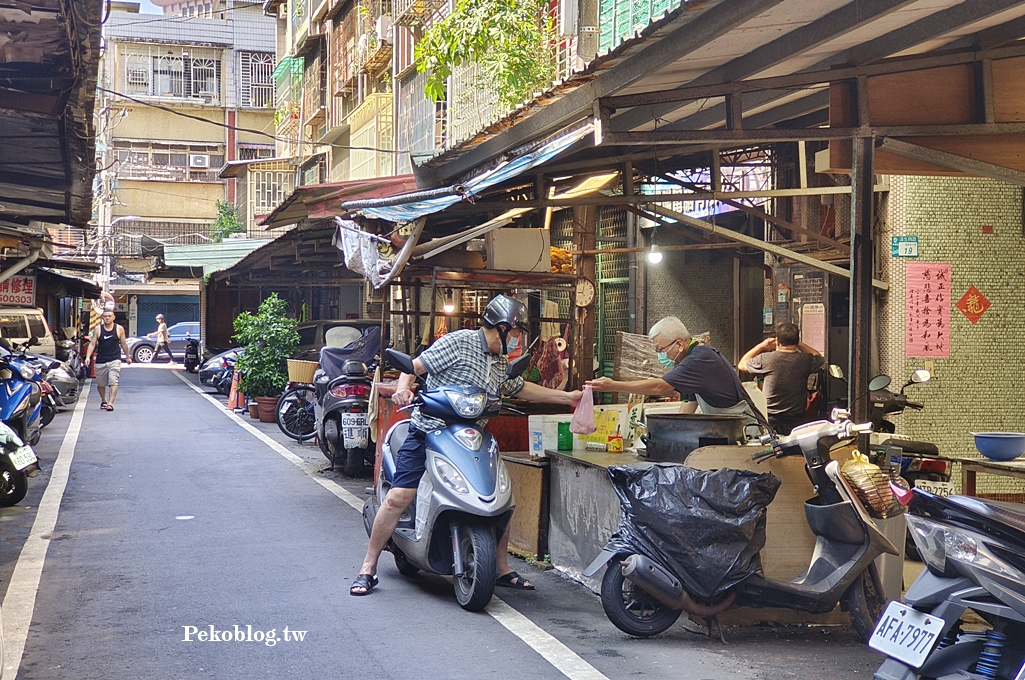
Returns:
(927, 324)
(973, 304)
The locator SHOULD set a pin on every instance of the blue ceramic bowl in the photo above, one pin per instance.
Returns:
(1000, 445)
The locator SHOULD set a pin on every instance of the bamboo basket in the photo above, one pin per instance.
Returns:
(302, 371)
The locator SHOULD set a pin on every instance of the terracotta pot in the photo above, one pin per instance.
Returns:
(254, 410)
(268, 409)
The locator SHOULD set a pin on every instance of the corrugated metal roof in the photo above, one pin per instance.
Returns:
(212, 257)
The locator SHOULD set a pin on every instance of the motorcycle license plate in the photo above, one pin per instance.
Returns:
(905, 634)
(939, 488)
(355, 430)
(23, 457)
(354, 420)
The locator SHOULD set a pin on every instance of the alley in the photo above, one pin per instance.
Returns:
(178, 517)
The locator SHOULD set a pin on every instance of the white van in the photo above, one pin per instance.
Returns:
(18, 324)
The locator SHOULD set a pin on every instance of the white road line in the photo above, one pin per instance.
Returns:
(551, 650)
(20, 601)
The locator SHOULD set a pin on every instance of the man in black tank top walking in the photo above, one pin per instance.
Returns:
(108, 340)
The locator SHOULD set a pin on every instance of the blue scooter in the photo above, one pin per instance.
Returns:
(20, 410)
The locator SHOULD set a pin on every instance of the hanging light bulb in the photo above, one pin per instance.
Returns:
(450, 303)
(654, 255)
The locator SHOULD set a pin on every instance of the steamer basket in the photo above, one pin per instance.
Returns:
(302, 371)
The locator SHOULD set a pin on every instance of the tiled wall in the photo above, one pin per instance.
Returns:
(981, 387)
(698, 288)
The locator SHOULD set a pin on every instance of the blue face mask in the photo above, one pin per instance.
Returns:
(511, 343)
(663, 358)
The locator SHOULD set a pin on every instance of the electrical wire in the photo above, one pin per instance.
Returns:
(168, 109)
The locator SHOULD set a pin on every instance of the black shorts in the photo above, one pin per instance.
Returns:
(411, 460)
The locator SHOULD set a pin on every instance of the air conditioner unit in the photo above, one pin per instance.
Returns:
(199, 161)
(383, 28)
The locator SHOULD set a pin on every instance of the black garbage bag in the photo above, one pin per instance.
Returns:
(707, 527)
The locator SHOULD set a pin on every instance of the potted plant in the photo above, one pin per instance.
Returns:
(270, 338)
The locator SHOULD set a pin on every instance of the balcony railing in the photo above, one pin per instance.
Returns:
(415, 12)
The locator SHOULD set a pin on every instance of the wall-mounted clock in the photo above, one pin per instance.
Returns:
(585, 292)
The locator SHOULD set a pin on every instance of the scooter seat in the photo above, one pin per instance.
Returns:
(398, 435)
(1011, 515)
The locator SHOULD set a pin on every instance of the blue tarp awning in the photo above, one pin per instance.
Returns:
(408, 212)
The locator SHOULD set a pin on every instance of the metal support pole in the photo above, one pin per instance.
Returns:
(862, 267)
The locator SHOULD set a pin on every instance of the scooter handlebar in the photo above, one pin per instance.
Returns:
(914, 405)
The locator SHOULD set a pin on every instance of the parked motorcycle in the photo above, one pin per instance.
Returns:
(21, 396)
(973, 552)
(464, 501)
(17, 463)
(191, 353)
(342, 408)
(67, 351)
(644, 597)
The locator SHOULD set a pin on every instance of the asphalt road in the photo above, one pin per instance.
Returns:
(176, 518)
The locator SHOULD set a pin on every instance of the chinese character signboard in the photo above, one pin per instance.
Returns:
(904, 246)
(973, 304)
(927, 324)
(18, 290)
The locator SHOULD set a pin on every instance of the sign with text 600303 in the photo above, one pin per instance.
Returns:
(18, 290)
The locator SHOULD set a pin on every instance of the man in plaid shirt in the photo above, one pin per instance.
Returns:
(475, 358)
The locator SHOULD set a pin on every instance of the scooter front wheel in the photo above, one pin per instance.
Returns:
(13, 484)
(629, 608)
(479, 552)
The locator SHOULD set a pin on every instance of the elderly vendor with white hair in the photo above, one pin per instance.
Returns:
(697, 371)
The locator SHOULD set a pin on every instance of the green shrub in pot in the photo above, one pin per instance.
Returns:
(269, 338)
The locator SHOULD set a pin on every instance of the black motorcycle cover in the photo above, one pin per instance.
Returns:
(365, 349)
(707, 527)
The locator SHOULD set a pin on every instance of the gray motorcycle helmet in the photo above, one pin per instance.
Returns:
(505, 313)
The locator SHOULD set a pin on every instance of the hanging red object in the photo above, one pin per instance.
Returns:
(973, 304)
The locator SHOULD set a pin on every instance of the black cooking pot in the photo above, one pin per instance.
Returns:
(672, 436)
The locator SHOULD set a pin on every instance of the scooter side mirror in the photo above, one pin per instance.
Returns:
(5, 343)
(401, 361)
(32, 341)
(880, 382)
(518, 366)
(921, 376)
(836, 372)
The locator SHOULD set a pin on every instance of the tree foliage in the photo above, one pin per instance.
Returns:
(512, 41)
(228, 222)
(269, 338)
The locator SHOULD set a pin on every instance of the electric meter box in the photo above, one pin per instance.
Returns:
(520, 250)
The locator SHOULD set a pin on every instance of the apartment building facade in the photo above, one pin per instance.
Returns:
(181, 95)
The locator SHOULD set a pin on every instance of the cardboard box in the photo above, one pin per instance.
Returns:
(521, 250)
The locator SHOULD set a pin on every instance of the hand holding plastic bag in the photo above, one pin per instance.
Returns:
(583, 416)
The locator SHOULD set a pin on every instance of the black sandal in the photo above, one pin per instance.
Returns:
(103, 406)
(365, 581)
(514, 580)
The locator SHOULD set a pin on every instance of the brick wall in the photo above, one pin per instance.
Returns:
(697, 287)
(980, 387)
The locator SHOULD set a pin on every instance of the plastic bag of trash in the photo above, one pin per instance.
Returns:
(707, 527)
(583, 416)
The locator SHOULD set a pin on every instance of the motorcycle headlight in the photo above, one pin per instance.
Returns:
(467, 405)
(450, 475)
(21, 407)
(503, 478)
(26, 372)
(942, 547)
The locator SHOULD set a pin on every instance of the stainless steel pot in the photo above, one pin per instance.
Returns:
(672, 436)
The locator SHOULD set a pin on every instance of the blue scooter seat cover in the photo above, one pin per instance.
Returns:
(706, 527)
(365, 349)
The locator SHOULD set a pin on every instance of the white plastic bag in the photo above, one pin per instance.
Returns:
(583, 416)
